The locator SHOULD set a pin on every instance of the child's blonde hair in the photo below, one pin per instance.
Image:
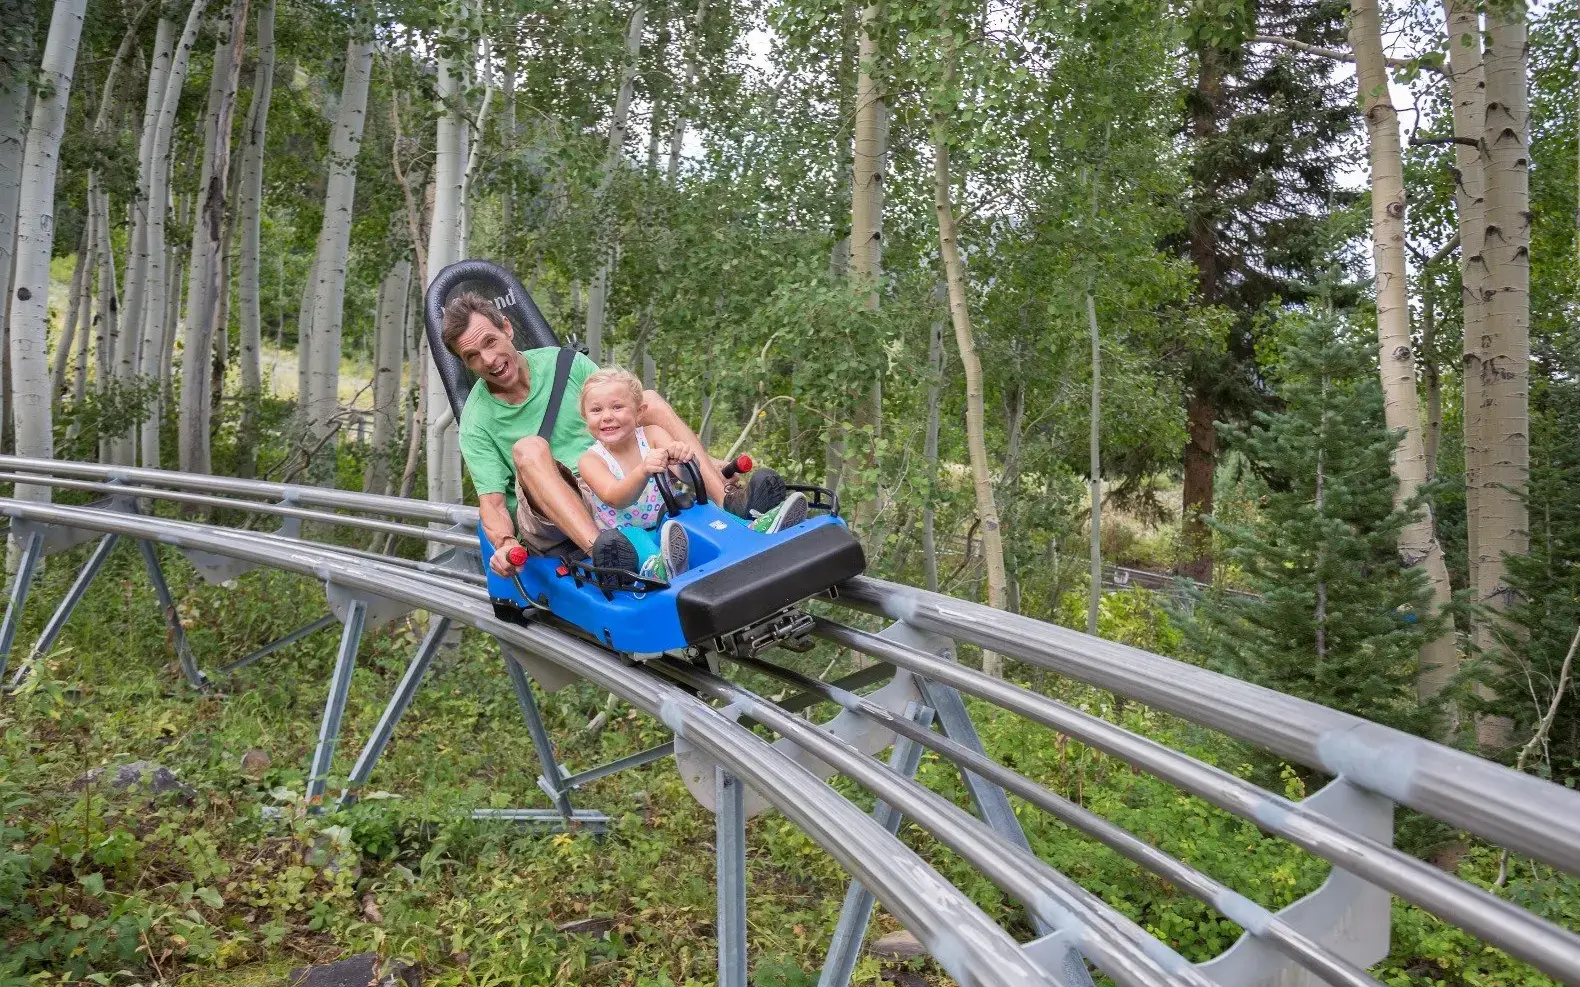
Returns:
(612, 375)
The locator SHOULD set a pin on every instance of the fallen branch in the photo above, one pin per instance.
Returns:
(1540, 736)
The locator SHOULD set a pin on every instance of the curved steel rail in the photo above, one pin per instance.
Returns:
(1529, 815)
(960, 936)
(1511, 809)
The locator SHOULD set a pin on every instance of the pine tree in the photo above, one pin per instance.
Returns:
(1533, 638)
(1262, 121)
(1335, 617)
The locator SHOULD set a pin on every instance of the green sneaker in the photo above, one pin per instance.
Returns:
(654, 568)
(788, 514)
(763, 525)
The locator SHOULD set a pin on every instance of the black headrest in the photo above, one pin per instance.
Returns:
(491, 281)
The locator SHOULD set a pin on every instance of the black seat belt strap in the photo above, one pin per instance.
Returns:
(562, 377)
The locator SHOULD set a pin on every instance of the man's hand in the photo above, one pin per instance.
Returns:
(500, 562)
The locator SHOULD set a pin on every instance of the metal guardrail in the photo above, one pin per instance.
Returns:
(1329, 936)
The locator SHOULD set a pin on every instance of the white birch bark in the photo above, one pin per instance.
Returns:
(866, 213)
(35, 238)
(971, 366)
(68, 332)
(334, 238)
(1506, 354)
(1467, 88)
(389, 339)
(158, 333)
(14, 93)
(935, 364)
(689, 74)
(79, 386)
(250, 206)
(1418, 543)
(444, 248)
(137, 265)
(208, 234)
(112, 448)
(598, 294)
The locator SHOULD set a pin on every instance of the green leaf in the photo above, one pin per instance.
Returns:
(210, 897)
(93, 884)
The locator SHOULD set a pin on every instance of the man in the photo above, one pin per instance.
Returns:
(528, 483)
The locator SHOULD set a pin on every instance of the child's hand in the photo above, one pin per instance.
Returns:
(679, 453)
(656, 461)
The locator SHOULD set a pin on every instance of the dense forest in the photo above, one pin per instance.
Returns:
(1272, 304)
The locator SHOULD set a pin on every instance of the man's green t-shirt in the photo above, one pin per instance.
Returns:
(490, 428)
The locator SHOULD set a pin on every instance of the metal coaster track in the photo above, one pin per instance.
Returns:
(1330, 936)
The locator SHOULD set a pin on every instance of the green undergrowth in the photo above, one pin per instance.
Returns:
(121, 887)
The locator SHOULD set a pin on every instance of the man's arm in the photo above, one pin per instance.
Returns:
(659, 413)
(501, 531)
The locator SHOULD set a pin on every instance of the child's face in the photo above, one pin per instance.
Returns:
(611, 411)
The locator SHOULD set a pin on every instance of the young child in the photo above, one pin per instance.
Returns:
(618, 472)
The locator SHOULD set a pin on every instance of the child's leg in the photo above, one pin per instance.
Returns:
(643, 541)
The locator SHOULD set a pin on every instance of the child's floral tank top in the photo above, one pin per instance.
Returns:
(649, 506)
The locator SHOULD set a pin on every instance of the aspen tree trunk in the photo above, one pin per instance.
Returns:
(1418, 543)
(474, 152)
(79, 386)
(1434, 377)
(137, 265)
(1467, 88)
(14, 93)
(1094, 597)
(1506, 356)
(250, 205)
(334, 238)
(866, 212)
(598, 294)
(208, 234)
(158, 319)
(444, 450)
(304, 343)
(970, 364)
(35, 238)
(68, 334)
(688, 73)
(112, 448)
(84, 305)
(870, 151)
(935, 366)
(389, 333)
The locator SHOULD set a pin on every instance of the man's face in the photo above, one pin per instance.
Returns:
(490, 353)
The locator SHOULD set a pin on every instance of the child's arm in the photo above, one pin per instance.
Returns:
(679, 452)
(623, 492)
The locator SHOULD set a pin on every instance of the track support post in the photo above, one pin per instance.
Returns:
(398, 704)
(991, 801)
(552, 781)
(57, 621)
(856, 913)
(335, 707)
(167, 606)
(27, 566)
(730, 847)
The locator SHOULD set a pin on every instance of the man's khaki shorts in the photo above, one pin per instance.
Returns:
(533, 526)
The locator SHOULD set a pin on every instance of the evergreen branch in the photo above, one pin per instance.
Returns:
(1339, 56)
(1540, 736)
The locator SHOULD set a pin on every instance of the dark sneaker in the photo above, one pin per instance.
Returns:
(765, 490)
(613, 550)
(674, 547)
